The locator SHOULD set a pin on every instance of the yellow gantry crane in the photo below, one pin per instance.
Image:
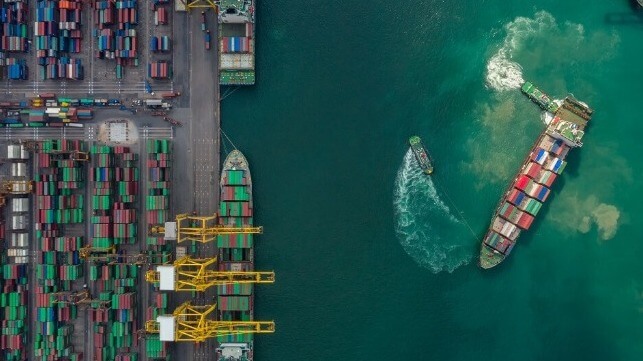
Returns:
(199, 4)
(190, 323)
(80, 298)
(191, 274)
(109, 255)
(199, 229)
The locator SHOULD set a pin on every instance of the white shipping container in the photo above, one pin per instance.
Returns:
(18, 169)
(20, 205)
(15, 151)
(19, 240)
(17, 252)
(19, 222)
(21, 260)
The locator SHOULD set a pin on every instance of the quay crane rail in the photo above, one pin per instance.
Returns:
(190, 323)
(190, 274)
(202, 229)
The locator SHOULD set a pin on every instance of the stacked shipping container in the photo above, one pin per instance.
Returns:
(59, 199)
(529, 191)
(115, 177)
(114, 328)
(235, 251)
(115, 32)
(56, 32)
(14, 16)
(13, 273)
(157, 200)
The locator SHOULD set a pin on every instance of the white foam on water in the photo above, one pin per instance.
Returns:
(503, 72)
(421, 216)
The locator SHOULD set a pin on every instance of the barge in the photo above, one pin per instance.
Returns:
(531, 187)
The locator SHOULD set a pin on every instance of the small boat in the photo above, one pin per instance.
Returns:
(422, 156)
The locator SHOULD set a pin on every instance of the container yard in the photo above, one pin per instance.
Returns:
(97, 108)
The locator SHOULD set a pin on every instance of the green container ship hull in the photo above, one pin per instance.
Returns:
(422, 156)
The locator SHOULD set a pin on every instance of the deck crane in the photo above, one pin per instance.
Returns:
(109, 255)
(80, 298)
(190, 274)
(190, 323)
(199, 229)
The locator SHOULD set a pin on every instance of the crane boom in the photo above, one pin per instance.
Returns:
(190, 274)
(189, 323)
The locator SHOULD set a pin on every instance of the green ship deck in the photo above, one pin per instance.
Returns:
(540, 98)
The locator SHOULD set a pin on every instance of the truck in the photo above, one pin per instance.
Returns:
(203, 24)
(208, 39)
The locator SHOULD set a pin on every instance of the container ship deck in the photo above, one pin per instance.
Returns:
(236, 301)
(236, 42)
(531, 186)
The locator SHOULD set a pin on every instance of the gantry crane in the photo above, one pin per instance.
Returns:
(80, 298)
(191, 274)
(109, 255)
(14, 187)
(76, 155)
(190, 323)
(199, 229)
(199, 4)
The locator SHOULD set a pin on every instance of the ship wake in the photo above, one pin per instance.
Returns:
(425, 226)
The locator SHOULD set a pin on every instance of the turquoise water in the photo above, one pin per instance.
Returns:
(374, 262)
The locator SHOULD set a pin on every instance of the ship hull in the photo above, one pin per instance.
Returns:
(530, 188)
(236, 253)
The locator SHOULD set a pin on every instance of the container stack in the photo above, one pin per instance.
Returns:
(160, 43)
(13, 69)
(235, 301)
(115, 32)
(114, 329)
(13, 26)
(158, 70)
(59, 199)
(56, 32)
(102, 176)
(159, 168)
(154, 348)
(126, 176)
(13, 299)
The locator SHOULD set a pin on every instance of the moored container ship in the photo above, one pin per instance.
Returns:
(235, 301)
(531, 186)
(236, 42)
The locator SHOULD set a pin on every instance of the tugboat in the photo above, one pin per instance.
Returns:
(424, 160)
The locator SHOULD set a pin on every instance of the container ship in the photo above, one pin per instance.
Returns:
(422, 156)
(235, 301)
(531, 186)
(236, 42)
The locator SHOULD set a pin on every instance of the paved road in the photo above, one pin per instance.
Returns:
(86, 133)
(64, 87)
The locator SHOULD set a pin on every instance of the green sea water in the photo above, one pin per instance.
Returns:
(373, 261)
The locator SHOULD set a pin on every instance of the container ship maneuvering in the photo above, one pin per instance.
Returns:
(235, 301)
(531, 186)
